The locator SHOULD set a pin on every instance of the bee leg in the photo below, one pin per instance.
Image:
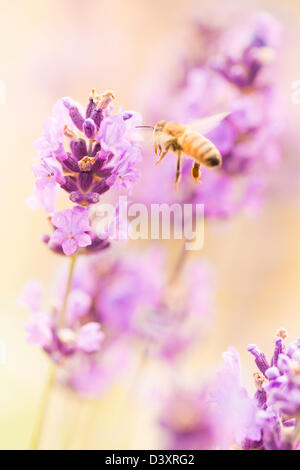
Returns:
(162, 155)
(178, 170)
(196, 173)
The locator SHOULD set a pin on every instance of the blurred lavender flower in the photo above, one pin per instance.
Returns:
(219, 415)
(137, 301)
(235, 410)
(268, 421)
(112, 305)
(76, 346)
(188, 422)
(278, 394)
(237, 77)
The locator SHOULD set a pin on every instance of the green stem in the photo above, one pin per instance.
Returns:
(38, 426)
(68, 288)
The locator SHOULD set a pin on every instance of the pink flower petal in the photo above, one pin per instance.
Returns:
(83, 239)
(69, 247)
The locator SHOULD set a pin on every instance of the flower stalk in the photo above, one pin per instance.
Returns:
(39, 423)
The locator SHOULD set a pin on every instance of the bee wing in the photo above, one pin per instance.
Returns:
(203, 126)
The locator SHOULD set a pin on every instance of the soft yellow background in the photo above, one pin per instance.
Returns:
(54, 48)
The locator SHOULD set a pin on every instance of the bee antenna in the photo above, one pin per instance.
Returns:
(140, 127)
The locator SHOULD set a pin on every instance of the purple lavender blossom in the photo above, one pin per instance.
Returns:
(188, 422)
(269, 420)
(85, 153)
(235, 410)
(59, 341)
(39, 329)
(247, 50)
(72, 227)
(133, 303)
(278, 394)
(219, 415)
(102, 149)
(86, 169)
(90, 337)
(31, 296)
(47, 174)
(238, 76)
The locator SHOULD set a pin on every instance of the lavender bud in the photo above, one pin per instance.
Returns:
(93, 198)
(85, 180)
(69, 184)
(272, 373)
(74, 113)
(127, 116)
(101, 187)
(76, 196)
(260, 358)
(97, 116)
(89, 128)
(70, 164)
(283, 363)
(79, 148)
(96, 149)
(90, 108)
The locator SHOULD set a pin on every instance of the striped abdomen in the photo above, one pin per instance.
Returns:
(200, 148)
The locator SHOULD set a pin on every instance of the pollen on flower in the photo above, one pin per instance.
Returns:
(66, 335)
(259, 380)
(94, 96)
(86, 163)
(282, 333)
(69, 133)
(106, 99)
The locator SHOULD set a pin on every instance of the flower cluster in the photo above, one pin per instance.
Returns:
(113, 305)
(218, 416)
(139, 302)
(223, 415)
(85, 153)
(235, 77)
(278, 396)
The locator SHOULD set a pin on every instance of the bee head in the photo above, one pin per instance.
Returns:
(159, 126)
(157, 137)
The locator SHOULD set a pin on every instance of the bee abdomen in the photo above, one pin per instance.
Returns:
(201, 149)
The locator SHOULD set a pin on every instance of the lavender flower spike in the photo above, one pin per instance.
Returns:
(260, 358)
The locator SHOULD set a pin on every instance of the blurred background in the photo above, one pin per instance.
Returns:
(55, 48)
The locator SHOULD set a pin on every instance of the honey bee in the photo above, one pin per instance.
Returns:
(189, 140)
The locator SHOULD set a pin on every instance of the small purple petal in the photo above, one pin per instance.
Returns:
(100, 187)
(70, 163)
(83, 239)
(79, 148)
(85, 180)
(89, 128)
(77, 197)
(69, 185)
(69, 247)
